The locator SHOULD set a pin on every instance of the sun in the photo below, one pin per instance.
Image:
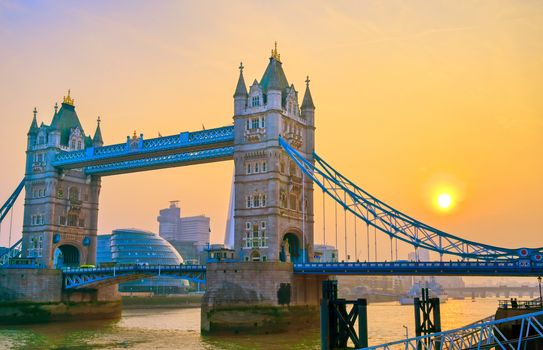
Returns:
(444, 201)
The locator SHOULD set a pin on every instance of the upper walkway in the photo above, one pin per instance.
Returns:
(138, 154)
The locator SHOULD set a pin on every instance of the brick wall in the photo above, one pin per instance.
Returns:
(30, 285)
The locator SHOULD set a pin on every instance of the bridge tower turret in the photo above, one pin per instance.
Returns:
(273, 215)
(61, 209)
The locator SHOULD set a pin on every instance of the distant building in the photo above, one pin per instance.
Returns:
(132, 246)
(324, 253)
(103, 249)
(419, 255)
(189, 235)
(218, 252)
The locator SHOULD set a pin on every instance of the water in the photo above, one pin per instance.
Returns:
(180, 329)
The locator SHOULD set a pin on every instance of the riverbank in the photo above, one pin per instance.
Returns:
(162, 302)
(29, 312)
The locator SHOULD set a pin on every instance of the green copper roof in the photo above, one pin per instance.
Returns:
(274, 77)
(64, 121)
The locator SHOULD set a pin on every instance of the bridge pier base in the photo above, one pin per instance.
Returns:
(36, 295)
(259, 297)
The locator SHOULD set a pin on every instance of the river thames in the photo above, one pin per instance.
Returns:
(164, 328)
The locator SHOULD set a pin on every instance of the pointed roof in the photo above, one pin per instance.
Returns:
(97, 134)
(66, 119)
(274, 77)
(241, 89)
(307, 103)
(34, 126)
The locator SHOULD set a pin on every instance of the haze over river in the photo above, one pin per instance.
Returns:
(161, 328)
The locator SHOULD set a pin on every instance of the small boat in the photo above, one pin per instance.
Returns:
(434, 291)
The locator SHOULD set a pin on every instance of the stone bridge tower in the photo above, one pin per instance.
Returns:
(61, 208)
(273, 215)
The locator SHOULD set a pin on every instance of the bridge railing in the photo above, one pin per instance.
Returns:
(520, 304)
(84, 277)
(480, 335)
(13, 252)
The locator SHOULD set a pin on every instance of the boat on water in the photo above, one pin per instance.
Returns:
(434, 291)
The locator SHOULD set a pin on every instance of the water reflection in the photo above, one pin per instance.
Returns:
(179, 329)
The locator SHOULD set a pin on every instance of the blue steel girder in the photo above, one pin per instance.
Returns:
(140, 148)
(162, 161)
(404, 268)
(13, 252)
(102, 276)
(11, 200)
(394, 223)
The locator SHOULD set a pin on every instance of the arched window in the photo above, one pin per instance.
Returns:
(79, 144)
(72, 144)
(73, 194)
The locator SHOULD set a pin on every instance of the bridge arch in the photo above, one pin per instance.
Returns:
(67, 255)
(291, 247)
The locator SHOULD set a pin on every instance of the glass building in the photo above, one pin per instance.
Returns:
(132, 246)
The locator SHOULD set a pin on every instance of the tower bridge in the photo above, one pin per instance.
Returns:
(272, 145)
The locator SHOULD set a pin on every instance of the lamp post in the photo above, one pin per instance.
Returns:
(406, 331)
(540, 299)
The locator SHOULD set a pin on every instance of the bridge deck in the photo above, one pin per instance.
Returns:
(460, 268)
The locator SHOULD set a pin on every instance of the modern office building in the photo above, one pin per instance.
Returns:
(324, 253)
(103, 249)
(189, 235)
(132, 246)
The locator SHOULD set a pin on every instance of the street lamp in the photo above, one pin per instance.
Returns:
(540, 299)
(406, 331)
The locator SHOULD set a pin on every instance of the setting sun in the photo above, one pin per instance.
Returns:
(444, 201)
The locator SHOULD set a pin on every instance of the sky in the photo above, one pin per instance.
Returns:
(413, 98)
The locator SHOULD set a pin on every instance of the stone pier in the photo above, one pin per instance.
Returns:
(252, 297)
(36, 295)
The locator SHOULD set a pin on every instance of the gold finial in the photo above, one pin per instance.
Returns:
(35, 111)
(307, 81)
(274, 54)
(134, 136)
(68, 100)
(241, 67)
(98, 121)
(56, 107)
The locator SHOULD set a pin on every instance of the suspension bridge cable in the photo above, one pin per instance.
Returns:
(10, 226)
(396, 248)
(391, 254)
(345, 224)
(355, 241)
(304, 253)
(375, 241)
(335, 218)
(324, 222)
(368, 236)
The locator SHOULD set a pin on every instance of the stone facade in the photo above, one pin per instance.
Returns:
(30, 285)
(237, 293)
(61, 207)
(273, 201)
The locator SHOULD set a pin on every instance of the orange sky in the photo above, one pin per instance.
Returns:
(410, 96)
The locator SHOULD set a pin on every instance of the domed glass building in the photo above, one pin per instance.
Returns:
(132, 246)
